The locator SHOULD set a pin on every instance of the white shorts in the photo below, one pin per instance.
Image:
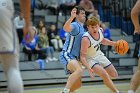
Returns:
(7, 30)
(100, 59)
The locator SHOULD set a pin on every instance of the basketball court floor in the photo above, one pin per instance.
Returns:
(86, 88)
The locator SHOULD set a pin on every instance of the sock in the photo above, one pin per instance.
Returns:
(130, 91)
(117, 91)
(66, 90)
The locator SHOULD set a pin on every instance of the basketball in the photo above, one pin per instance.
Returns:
(121, 47)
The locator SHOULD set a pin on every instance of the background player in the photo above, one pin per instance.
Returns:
(9, 48)
(135, 81)
(135, 17)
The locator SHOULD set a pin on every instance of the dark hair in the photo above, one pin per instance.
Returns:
(39, 23)
(79, 8)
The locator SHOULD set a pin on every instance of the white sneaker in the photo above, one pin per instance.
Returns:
(54, 59)
(46, 61)
(50, 59)
(63, 92)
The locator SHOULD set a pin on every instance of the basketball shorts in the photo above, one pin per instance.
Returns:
(99, 59)
(65, 58)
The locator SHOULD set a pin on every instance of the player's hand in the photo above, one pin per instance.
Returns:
(90, 71)
(28, 30)
(73, 12)
(137, 31)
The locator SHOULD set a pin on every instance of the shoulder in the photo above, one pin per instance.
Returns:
(74, 23)
(85, 34)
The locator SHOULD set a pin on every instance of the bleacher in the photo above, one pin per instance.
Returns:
(54, 73)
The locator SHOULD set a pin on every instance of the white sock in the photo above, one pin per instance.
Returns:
(130, 91)
(117, 91)
(66, 90)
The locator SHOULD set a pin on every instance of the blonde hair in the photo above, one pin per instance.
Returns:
(93, 21)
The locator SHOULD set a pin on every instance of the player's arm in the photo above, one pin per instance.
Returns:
(108, 42)
(134, 16)
(67, 26)
(84, 47)
(25, 9)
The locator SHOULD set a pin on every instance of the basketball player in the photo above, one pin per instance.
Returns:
(135, 80)
(71, 49)
(9, 49)
(93, 58)
(135, 17)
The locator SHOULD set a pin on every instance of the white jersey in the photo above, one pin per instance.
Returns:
(7, 31)
(94, 48)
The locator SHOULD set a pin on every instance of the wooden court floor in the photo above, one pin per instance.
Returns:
(84, 89)
(88, 88)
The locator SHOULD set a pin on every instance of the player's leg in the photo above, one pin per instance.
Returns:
(72, 66)
(135, 81)
(10, 66)
(77, 72)
(77, 84)
(110, 69)
(97, 69)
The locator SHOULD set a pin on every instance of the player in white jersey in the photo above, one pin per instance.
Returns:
(9, 48)
(93, 58)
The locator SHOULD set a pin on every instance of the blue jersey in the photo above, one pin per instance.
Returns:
(73, 40)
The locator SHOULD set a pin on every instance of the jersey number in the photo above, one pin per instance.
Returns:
(97, 47)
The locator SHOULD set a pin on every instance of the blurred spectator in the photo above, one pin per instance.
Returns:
(31, 46)
(53, 6)
(106, 31)
(95, 13)
(19, 24)
(40, 4)
(63, 35)
(99, 7)
(54, 38)
(88, 6)
(66, 5)
(44, 46)
(40, 25)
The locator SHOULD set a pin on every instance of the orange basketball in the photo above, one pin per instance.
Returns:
(121, 47)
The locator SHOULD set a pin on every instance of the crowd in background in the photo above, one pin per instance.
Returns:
(49, 39)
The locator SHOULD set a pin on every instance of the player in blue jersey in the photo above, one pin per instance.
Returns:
(69, 56)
